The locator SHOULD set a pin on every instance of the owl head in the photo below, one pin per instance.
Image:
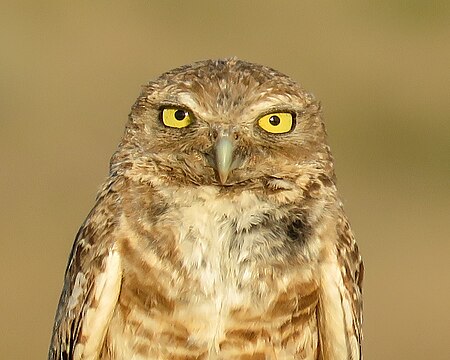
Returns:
(225, 123)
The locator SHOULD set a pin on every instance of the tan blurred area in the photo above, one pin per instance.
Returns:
(69, 72)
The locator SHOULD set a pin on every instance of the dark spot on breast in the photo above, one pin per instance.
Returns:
(298, 230)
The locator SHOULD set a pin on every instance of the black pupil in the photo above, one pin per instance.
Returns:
(180, 115)
(274, 120)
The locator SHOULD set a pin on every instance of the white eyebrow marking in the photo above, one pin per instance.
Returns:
(187, 100)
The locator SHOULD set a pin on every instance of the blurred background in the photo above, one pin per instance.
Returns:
(70, 71)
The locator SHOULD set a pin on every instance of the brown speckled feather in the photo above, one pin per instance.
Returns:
(218, 236)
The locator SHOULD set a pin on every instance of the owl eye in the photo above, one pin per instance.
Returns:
(176, 118)
(277, 123)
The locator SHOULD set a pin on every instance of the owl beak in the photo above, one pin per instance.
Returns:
(223, 151)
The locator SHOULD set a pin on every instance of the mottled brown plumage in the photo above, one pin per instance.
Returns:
(216, 235)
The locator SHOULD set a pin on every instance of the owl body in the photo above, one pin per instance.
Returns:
(214, 238)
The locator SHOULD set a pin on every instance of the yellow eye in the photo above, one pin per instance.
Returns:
(277, 123)
(176, 118)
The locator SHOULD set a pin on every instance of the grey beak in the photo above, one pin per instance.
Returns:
(223, 151)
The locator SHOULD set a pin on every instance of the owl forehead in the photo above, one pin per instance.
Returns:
(229, 103)
(228, 89)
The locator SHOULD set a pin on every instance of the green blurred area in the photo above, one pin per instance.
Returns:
(69, 72)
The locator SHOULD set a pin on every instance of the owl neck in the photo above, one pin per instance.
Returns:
(225, 227)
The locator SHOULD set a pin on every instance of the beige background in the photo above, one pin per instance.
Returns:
(70, 70)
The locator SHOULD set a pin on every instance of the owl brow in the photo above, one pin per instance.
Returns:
(173, 104)
(279, 109)
(185, 100)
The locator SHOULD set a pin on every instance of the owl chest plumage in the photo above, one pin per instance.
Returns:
(209, 280)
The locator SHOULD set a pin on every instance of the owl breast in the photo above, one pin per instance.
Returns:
(208, 280)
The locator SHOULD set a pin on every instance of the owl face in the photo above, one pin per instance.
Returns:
(226, 123)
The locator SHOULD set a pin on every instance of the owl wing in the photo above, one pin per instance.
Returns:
(90, 293)
(340, 307)
(352, 270)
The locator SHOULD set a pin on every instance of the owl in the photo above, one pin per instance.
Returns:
(219, 233)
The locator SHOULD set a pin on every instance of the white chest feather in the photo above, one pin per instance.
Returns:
(218, 238)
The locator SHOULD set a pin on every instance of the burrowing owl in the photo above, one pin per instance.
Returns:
(219, 233)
